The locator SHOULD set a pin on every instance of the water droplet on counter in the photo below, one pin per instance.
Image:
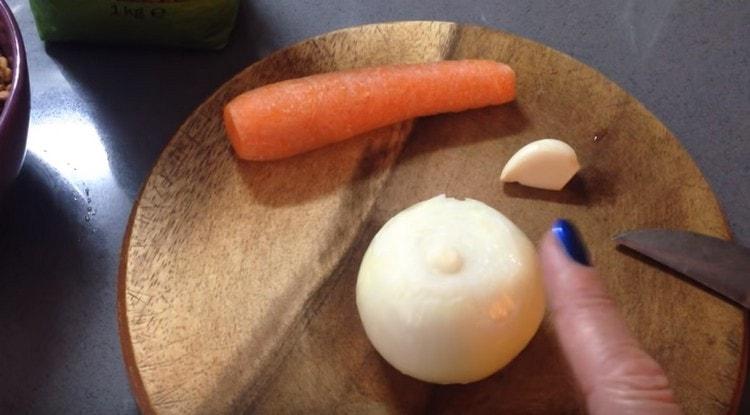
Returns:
(87, 217)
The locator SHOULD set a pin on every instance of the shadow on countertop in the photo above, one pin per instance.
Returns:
(47, 293)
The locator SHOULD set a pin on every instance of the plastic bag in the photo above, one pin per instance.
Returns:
(204, 24)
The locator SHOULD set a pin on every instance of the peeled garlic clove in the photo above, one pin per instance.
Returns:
(450, 291)
(546, 164)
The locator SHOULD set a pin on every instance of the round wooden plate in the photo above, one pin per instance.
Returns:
(237, 286)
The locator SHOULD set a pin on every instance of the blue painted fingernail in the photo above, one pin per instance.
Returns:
(570, 239)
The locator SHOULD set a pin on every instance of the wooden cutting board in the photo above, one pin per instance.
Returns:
(236, 291)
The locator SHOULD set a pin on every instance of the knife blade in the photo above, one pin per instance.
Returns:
(719, 265)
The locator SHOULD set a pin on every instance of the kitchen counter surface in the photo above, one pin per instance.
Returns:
(100, 116)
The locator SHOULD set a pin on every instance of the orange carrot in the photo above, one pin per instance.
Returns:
(294, 116)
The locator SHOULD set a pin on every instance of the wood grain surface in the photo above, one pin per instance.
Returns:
(236, 291)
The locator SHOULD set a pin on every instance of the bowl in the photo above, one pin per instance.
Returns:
(14, 118)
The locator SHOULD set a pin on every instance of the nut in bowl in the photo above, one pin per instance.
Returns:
(14, 98)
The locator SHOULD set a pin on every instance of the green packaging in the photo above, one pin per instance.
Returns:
(201, 24)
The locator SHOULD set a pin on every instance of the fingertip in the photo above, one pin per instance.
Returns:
(567, 282)
(557, 264)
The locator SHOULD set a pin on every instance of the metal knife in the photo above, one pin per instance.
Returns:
(719, 265)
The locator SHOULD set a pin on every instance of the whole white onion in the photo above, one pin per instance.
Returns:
(450, 291)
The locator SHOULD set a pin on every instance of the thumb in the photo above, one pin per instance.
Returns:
(615, 374)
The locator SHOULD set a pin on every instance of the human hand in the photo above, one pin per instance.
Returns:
(614, 373)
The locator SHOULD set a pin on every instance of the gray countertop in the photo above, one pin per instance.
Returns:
(100, 115)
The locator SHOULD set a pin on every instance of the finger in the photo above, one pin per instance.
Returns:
(615, 374)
